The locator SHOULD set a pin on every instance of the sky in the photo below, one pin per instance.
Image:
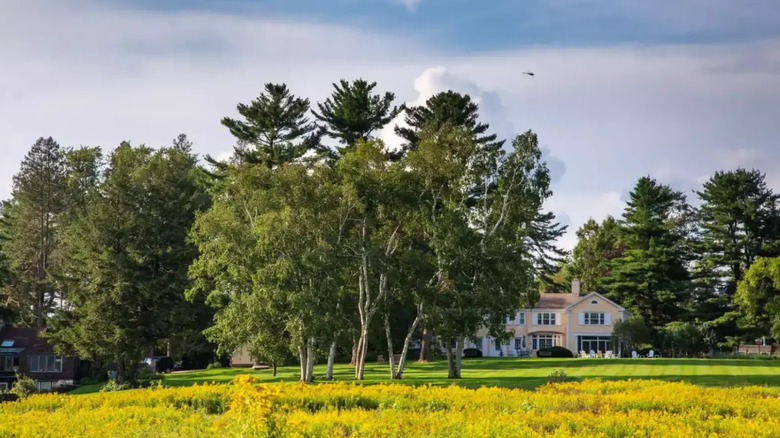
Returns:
(674, 89)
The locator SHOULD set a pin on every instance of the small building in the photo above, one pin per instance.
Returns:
(23, 351)
(571, 320)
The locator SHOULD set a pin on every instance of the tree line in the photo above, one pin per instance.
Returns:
(315, 240)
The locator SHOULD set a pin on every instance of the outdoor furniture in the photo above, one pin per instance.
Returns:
(609, 354)
(651, 353)
(380, 359)
(583, 353)
(634, 355)
(592, 353)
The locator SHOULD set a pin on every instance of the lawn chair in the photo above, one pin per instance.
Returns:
(634, 354)
(651, 353)
(592, 353)
(583, 353)
(608, 354)
(380, 359)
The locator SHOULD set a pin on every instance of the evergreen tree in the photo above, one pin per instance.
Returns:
(275, 129)
(353, 112)
(39, 195)
(738, 221)
(446, 108)
(127, 257)
(651, 277)
(597, 245)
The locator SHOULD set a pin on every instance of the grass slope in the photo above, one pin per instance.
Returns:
(519, 373)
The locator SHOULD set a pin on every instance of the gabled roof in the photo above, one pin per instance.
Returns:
(596, 294)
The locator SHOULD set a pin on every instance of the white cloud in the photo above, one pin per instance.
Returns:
(89, 75)
(410, 4)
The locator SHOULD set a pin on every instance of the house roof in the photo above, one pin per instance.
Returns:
(22, 338)
(555, 301)
(595, 294)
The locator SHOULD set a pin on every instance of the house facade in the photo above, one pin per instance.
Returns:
(578, 322)
(23, 351)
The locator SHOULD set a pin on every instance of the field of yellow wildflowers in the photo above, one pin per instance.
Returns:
(592, 408)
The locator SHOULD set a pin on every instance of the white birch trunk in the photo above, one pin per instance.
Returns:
(402, 361)
(390, 358)
(331, 359)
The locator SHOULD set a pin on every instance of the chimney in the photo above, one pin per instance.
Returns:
(575, 287)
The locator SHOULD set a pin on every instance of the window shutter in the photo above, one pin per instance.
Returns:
(581, 318)
(607, 318)
(557, 318)
(533, 318)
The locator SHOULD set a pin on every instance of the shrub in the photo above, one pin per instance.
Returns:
(554, 352)
(147, 378)
(24, 386)
(113, 385)
(557, 376)
(214, 365)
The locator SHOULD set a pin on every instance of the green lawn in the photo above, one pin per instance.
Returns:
(520, 373)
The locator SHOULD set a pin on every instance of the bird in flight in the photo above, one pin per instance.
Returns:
(528, 73)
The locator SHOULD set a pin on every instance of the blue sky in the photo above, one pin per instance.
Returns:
(671, 89)
(475, 26)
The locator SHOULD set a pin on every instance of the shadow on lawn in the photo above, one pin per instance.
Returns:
(534, 363)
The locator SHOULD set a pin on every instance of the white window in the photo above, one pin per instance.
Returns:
(6, 363)
(478, 343)
(520, 343)
(520, 319)
(543, 341)
(7, 343)
(46, 364)
(546, 318)
(594, 318)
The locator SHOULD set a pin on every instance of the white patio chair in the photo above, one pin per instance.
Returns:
(651, 353)
(608, 354)
(634, 354)
(583, 353)
(592, 353)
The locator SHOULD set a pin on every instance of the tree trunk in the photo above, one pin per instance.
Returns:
(425, 346)
(362, 350)
(402, 361)
(310, 361)
(355, 346)
(331, 359)
(454, 359)
(302, 357)
(390, 358)
(274, 368)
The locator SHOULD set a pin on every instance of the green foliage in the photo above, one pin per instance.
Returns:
(24, 386)
(632, 332)
(651, 278)
(739, 222)
(213, 365)
(147, 378)
(127, 257)
(447, 108)
(39, 197)
(114, 385)
(557, 376)
(685, 339)
(275, 129)
(353, 112)
(597, 245)
(758, 294)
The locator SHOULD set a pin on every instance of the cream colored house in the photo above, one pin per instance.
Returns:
(577, 322)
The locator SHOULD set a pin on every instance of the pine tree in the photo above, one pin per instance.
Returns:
(651, 277)
(597, 245)
(39, 195)
(739, 221)
(353, 112)
(446, 108)
(275, 129)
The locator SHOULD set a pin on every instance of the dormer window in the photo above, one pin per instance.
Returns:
(7, 343)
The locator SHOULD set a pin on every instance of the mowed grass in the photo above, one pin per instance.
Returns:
(527, 373)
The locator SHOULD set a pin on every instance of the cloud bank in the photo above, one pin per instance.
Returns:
(87, 74)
